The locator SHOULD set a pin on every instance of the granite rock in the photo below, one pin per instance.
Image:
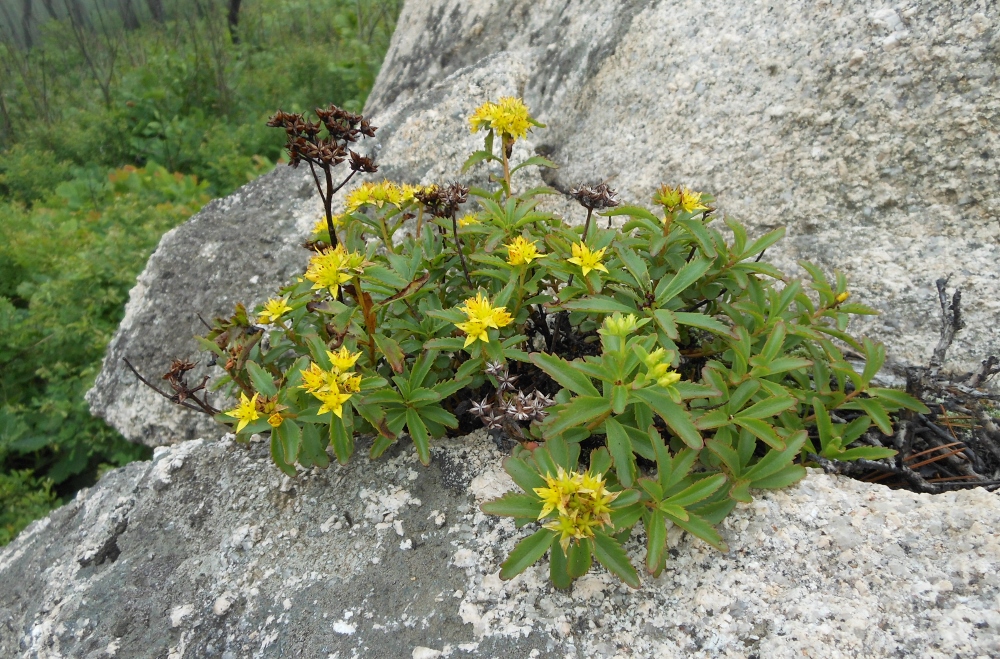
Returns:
(209, 551)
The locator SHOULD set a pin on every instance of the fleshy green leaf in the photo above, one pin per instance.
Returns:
(563, 372)
(526, 553)
(611, 555)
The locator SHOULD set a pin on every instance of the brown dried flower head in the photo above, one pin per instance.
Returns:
(596, 197)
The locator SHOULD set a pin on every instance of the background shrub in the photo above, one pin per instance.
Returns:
(116, 124)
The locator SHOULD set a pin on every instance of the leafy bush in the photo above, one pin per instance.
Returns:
(655, 372)
(98, 162)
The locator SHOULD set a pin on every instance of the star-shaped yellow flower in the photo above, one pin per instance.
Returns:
(274, 309)
(246, 412)
(374, 194)
(587, 260)
(509, 117)
(521, 251)
(482, 315)
(333, 267)
(333, 401)
(343, 360)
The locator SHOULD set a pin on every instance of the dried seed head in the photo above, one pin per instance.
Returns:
(495, 368)
(506, 381)
(443, 201)
(364, 164)
(481, 409)
(596, 197)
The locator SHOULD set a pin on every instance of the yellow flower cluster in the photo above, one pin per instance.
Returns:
(482, 315)
(587, 260)
(245, 412)
(521, 251)
(274, 309)
(683, 198)
(581, 501)
(467, 220)
(336, 386)
(659, 368)
(509, 117)
(386, 192)
(339, 221)
(334, 267)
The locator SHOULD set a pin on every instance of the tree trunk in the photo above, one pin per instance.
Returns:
(50, 9)
(156, 9)
(129, 17)
(234, 20)
(26, 18)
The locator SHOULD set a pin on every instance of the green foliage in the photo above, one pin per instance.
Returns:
(25, 499)
(693, 371)
(89, 181)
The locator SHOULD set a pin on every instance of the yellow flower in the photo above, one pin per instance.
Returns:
(332, 268)
(843, 296)
(468, 220)
(682, 197)
(408, 193)
(482, 315)
(352, 384)
(509, 117)
(374, 194)
(581, 501)
(587, 260)
(275, 419)
(339, 221)
(521, 251)
(658, 363)
(343, 360)
(333, 401)
(314, 378)
(246, 412)
(691, 201)
(274, 309)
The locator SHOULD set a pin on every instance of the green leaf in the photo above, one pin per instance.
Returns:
(576, 413)
(421, 396)
(762, 430)
(526, 553)
(342, 441)
(391, 351)
(620, 448)
(611, 555)
(600, 460)
(290, 436)
(534, 160)
(525, 477)
(667, 322)
(598, 304)
(767, 408)
(514, 505)
(635, 265)
(314, 445)
(448, 387)
(418, 433)
(873, 407)
(865, 453)
(698, 491)
(668, 289)
(676, 417)
(776, 460)
(278, 456)
(476, 158)
(700, 528)
(633, 211)
(261, 379)
(784, 477)
(763, 243)
(559, 567)
(563, 372)
(899, 399)
(619, 397)
(702, 321)
(580, 557)
(656, 543)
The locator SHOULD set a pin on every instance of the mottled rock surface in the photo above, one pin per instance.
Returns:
(869, 132)
(236, 249)
(209, 551)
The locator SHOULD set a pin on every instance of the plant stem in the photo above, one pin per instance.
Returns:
(458, 247)
(506, 165)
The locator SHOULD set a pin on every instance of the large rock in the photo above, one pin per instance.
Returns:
(236, 249)
(868, 133)
(208, 551)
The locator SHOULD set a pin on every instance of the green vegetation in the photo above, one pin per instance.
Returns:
(115, 126)
(654, 373)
